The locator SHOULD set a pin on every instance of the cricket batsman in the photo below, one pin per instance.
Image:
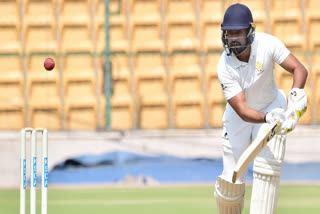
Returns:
(246, 75)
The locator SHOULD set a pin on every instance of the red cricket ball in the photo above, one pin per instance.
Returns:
(49, 64)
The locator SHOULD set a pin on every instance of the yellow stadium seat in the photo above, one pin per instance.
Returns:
(154, 115)
(216, 111)
(313, 33)
(151, 92)
(43, 93)
(211, 62)
(183, 10)
(287, 23)
(182, 36)
(152, 99)
(48, 116)
(11, 69)
(39, 12)
(186, 90)
(121, 99)
(147, 62)
(312, 8)
(81, 113)
(81, 104)
(121, 113)
(118, 39)
(9, 39)
(206, 8)
(11, 99)
(211, 35)
(215, 96)
(77, 12)
(12, 115)
(79, 67)
(146, 36)
(145, 10)
(40, 38)
(36, 73)
(75, 38)
(10, 13)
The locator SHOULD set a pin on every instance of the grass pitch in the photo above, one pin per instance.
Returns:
(293, 199)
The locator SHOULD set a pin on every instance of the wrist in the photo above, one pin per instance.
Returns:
(265, 117)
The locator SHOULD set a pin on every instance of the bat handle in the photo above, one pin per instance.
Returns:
(288, 112)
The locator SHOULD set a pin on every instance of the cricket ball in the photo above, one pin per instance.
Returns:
(49, 64)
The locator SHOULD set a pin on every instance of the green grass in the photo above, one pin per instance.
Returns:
(293, 199)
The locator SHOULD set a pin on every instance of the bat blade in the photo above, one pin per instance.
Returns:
(254, 149)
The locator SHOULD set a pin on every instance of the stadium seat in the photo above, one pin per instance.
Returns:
(312, 9)
(211, 62)
(121, 99)
(40, 38)
(81, 113)
(182, 36)
(75, 38)
(151, 90)
(118, 35)
(11, 78)
(39, 12)
(206, 8)
(211, 35)
(146, 36)
(10, 12)
(186, 90)
(80, 91)
(313, 33)
(287, 24)
(215, 97)
(145, 10)
(180, 10)
(12, 114)
(9, 38)
(312, 23)
(11, 99)
(43, 93)
(75, 12)
(11, 69)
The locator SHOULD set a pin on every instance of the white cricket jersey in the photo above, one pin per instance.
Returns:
(255, 78)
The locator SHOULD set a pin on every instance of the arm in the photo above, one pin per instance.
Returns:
(294, 66)
(239, 104)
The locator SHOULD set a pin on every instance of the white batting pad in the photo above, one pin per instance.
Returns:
(266, 177)
(229, 196)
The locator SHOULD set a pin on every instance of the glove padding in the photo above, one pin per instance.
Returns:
(297, 106)
(275, 114)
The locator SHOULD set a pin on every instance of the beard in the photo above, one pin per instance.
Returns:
(237, 48)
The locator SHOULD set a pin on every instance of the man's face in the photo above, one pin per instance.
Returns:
(237, 40)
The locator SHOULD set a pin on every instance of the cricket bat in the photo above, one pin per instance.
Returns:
(255, 147)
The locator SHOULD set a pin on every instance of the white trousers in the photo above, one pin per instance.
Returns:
(237, 136)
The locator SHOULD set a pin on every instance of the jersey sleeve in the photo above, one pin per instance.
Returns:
(229, 85)
(279, 51)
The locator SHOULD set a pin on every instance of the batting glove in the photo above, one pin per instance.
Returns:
(275, 114)
(297, 106)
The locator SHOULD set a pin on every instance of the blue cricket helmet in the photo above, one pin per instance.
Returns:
(237, 17)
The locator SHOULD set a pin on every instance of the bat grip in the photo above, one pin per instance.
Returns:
(288, 112)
